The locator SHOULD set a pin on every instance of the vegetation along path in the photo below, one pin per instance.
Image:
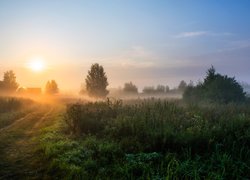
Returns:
(18, 153)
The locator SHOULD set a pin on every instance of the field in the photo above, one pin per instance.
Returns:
(132, 139)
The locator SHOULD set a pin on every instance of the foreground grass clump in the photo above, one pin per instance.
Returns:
(153, 139)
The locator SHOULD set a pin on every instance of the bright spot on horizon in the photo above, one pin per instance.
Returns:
(36, 64)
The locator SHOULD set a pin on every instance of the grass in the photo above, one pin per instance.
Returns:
(12, 109)
(149, 139)
(9, 104)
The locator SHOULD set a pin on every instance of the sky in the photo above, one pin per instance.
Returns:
(144, 41)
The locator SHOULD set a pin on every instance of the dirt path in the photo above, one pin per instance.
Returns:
(18, 158)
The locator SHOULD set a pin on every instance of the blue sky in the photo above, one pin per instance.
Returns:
(146, 41)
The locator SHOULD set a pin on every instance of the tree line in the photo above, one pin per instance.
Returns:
(214, 88)
(131, 88)
(9, 85)
(96, 85)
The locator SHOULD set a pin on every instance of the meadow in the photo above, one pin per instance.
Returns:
(128, 89)
(148, 139)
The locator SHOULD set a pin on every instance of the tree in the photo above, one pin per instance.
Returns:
(182, 86)
(130, 88)
(216, 88)
(167, 89)
(96, 82)
(160, 89)
(148, 90)
(51, 87)
(210, 75)
(9, 83)
(191, 83)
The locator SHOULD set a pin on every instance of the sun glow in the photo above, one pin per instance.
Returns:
(36, 64)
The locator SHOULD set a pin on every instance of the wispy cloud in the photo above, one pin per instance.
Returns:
(191, 34)
(200, 33)
(135, 56)
(138, 56)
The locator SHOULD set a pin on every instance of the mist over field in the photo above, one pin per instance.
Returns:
(124, 89)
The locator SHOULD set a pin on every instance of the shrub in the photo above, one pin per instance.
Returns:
(90, 117)
(130, 88)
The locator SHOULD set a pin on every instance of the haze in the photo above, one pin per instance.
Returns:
(147, 42)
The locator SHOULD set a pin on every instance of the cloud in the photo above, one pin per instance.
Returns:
(191, 34)
(200, 33)
(135, 56)
(134, 63)
(139, 52)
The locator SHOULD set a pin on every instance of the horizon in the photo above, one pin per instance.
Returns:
(145, 42)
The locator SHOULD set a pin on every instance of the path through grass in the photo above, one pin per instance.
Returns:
(18, 149)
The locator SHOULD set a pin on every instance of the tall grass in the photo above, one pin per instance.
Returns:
(12, 108)
(8, 104)
(152, 139)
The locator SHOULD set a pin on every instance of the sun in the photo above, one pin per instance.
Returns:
(36, 64)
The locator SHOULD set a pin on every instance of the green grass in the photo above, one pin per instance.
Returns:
(12, 109)
(149, 139)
